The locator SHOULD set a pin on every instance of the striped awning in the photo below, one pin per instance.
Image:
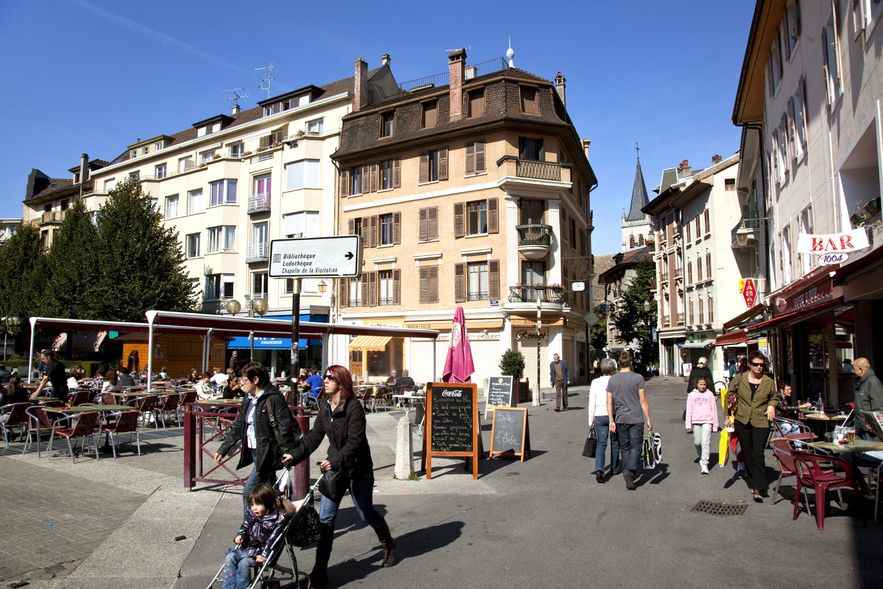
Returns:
(370, 343)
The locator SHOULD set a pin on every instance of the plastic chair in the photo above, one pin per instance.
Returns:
(167, 404)
(822, 474)
(86, 425)
(38, 420)
(13, 416)
(146, 406)
(783, 450)
(122, 422)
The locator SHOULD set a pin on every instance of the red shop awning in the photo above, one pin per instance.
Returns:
(731, 339)
(794, 315)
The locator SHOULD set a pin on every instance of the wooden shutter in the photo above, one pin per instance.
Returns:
(479, 157)
(493, 216)
(459, 282)
(443, 164)
(366, 291)
(397, 173)
(432, 222)
(264, 142)
(344, 183)
(470, 158)
(343, 291)
(433, 284)
(493, 279)
(397, 228)
(424, 285)
(397, 286)
(351, 226)
(459, 219)
(375, 177)
(372, 289)
(375, 231)
(424, 167)
(423, 231)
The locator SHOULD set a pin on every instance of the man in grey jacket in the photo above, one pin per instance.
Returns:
(869, 392)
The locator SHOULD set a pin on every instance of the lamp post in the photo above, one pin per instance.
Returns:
(10, 326)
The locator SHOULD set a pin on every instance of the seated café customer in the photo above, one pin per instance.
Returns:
(204, 388)
(392, 383)
(406, 383)
(55, 376)
(14, 392)
(220, 378)
(125, 377)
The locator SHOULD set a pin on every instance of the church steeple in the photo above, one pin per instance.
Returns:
(639, 191)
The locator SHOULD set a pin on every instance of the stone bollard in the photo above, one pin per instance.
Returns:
(404, 468)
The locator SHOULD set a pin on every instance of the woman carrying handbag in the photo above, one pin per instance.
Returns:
(599, 424)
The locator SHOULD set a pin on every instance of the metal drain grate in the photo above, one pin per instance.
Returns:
(716, 508)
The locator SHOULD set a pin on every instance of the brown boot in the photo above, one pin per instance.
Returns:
(389, 545)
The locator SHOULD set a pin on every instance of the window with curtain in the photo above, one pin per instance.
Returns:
(478, 281)
(386, 294)
(303, 174)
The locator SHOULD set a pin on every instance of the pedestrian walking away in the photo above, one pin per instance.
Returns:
(629, 412)
(600, 419)
(702, 420)
(558, 375)
(264, 428)
(348, 466)
(756, 399)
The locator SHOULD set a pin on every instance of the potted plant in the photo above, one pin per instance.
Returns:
(512, 364)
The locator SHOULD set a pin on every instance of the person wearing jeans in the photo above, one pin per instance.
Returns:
(597, 409)
(629, 411)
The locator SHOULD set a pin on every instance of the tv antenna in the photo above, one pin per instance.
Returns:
(235, 95)
(267, 77)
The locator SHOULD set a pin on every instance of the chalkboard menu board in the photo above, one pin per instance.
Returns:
(510, 432)
(499, 392)
(452, 426)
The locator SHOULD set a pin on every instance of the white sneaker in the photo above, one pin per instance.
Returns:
(703, 469)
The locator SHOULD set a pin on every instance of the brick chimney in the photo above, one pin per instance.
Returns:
(587, 145)
(561, 86)
(716, 159)
(84, 167)
(360, 85)
(456, 75)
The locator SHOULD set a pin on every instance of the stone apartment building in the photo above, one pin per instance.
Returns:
(8, 228)
(229, 184)
(810, 102)
(471, 189)
(698, 278)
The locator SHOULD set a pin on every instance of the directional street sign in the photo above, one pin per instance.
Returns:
(316, 257)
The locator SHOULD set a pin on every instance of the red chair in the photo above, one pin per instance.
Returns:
(13, 417)
(167, 404)
(38, 420)
(123, 422)
(79, 397)
(86, 425)
(783, 450)
(822, 474)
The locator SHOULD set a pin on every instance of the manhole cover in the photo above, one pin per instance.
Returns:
(717, 508)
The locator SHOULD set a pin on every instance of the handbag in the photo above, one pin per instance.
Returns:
(591, 445)
(334, 484)
(304, 529)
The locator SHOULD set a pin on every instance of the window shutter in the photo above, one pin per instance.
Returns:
(351, 226)
(493, 268)
(344, 183)
(397, 228)
(479, 157)
(443, 164)
(397, 173)
(424, 167)
(375, 231)
(372, 288)
(432, 221)
(366, 291)
(459, 282)
(397, 287)
(493, 216)
(423, 232)
(433, 284)
(424, 285)
(459, 220)
(264, 142)
(707, 221)
(375, 177)
(343, 291)
(470, 158)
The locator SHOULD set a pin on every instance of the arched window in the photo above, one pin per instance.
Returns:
(631, 241)
(641, 240)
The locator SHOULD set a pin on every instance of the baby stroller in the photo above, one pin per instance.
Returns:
(300, 530)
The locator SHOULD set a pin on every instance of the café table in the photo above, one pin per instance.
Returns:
(871, 450)
(90, 408)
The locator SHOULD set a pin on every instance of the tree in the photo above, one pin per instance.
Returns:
(512, 364)
(635, 314)
(71, 268)
(140, 263)
(22, 274)
(598, 335)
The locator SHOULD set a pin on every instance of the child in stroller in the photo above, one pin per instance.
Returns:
(255, 538)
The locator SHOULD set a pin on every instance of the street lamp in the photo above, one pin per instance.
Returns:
(536, 396)
(233, 306)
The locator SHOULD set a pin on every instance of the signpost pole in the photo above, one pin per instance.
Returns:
(536, 391)
(295, 336)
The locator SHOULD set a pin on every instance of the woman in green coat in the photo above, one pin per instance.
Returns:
(756, 401)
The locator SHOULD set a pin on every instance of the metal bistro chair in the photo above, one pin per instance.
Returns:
(187, 397)
(167, 404)
(147, 406)
(86, 425)
(122, 422)
(822, 474)
(79, 397)
(13, 417)
(38, 420)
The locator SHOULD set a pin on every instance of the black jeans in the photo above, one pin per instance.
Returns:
(753, 440)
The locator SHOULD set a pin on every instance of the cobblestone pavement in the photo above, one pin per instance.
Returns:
(52, 520)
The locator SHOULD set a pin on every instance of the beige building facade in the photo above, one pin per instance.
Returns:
(475, 193)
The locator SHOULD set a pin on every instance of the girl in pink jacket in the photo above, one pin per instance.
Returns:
(702, 420)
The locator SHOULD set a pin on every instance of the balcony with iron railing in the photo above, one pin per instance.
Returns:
(259, 203)
(52, 217)
(523, 299)
(534, 240)
(534, 173)
(257, 252)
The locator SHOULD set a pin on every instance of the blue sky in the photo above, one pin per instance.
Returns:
(93, 75)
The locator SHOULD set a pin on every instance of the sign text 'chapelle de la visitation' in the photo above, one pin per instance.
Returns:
(316, 257)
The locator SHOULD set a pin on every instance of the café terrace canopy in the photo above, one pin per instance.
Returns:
(223, 325)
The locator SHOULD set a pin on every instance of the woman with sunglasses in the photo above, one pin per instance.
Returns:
(755, 408)
(342, 419)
